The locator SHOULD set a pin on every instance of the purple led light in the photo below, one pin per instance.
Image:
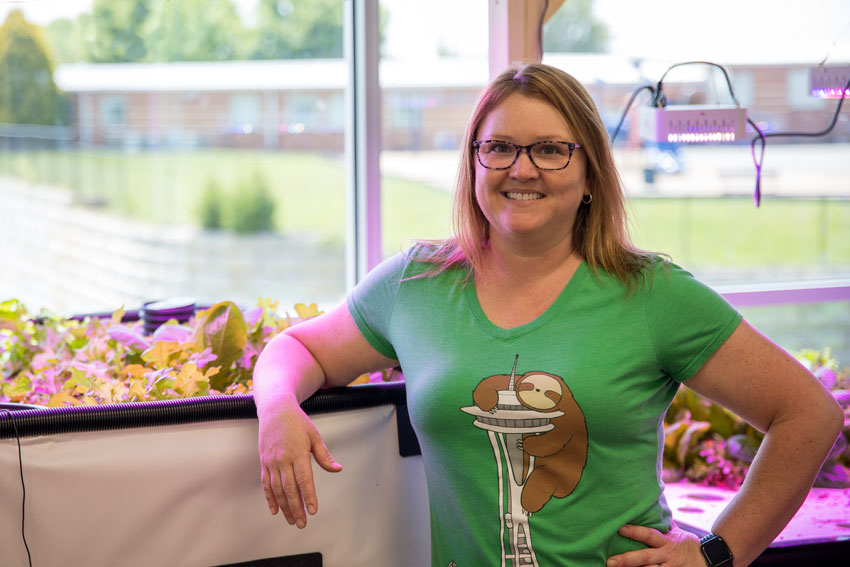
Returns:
(700, 137)
(832, 92)
(829, 81)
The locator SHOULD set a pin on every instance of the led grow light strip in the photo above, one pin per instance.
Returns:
(829, 82)
(701, 137)
(693, 124)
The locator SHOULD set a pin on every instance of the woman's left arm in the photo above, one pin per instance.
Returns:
(768, 388)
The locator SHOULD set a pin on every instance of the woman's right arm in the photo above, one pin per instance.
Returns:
(326, 351)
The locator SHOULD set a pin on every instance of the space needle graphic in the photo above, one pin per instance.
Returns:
(506, 424)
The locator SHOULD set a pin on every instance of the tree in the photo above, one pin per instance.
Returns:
(162, 30)
(298, 29)
(195, 30)
(67, 41)
(574, 29)
(28, 94)
(116, 30)
(122, 31)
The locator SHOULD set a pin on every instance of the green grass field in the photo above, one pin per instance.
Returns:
(732, 232)
(309, 189)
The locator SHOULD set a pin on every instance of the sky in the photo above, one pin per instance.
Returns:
(721, 30)
(730, 29)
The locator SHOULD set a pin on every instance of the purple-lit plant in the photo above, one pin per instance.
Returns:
(707, 444)
(51, 361)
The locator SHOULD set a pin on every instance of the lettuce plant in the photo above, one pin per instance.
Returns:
(707, 444)
(51, 361)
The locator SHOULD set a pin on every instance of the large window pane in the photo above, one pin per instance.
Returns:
(801, 326)
(434, 66)
(172, 155)
(696, 201)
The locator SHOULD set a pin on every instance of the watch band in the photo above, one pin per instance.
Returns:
(715, 551)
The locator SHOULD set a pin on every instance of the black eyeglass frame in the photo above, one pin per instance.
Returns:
(476, 145)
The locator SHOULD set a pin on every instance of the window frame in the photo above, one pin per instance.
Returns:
(361, 39)
(513, 36)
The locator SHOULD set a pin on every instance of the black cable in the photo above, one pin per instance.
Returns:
(834, 43)
(826, 130)
(659, 96)
(660, 101)
(626, 110)
(23, 487)
(762, 137)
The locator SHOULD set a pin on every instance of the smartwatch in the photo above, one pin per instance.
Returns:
(715, 551)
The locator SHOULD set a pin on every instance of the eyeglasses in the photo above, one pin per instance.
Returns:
(548, 156)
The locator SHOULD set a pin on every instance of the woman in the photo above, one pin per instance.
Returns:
(541, 351)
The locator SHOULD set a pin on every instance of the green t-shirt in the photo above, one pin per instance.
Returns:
(549, 464)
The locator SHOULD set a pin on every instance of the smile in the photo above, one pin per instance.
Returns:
(523, 196)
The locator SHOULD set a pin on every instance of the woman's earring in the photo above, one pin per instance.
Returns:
(587, 198)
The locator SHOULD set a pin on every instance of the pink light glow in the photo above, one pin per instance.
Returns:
(700, 137)
(834, 92)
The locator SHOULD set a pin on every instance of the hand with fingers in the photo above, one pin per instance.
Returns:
(287, 439)
(676, 548)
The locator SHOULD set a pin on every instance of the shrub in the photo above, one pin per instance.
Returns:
(211, 208)
(253, 207)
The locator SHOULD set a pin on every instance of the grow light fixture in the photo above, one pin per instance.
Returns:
(829, 82)
(693, 124)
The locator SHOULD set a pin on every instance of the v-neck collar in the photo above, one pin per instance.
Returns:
(572, 287)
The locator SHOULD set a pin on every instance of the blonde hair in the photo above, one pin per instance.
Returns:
(600, 232)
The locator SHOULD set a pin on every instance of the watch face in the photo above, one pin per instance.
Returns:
(715, 550)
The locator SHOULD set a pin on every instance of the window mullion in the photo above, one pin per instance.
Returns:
(362, 139)
(515, 31)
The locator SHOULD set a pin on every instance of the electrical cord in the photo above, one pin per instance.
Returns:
(757, 161)
(636, 92)
(834, 43)
(823, 132)
(762, 137)
(23, 486)
(661, 101)
(658, 98)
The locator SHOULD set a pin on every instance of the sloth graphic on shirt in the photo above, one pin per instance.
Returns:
(560, 453)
